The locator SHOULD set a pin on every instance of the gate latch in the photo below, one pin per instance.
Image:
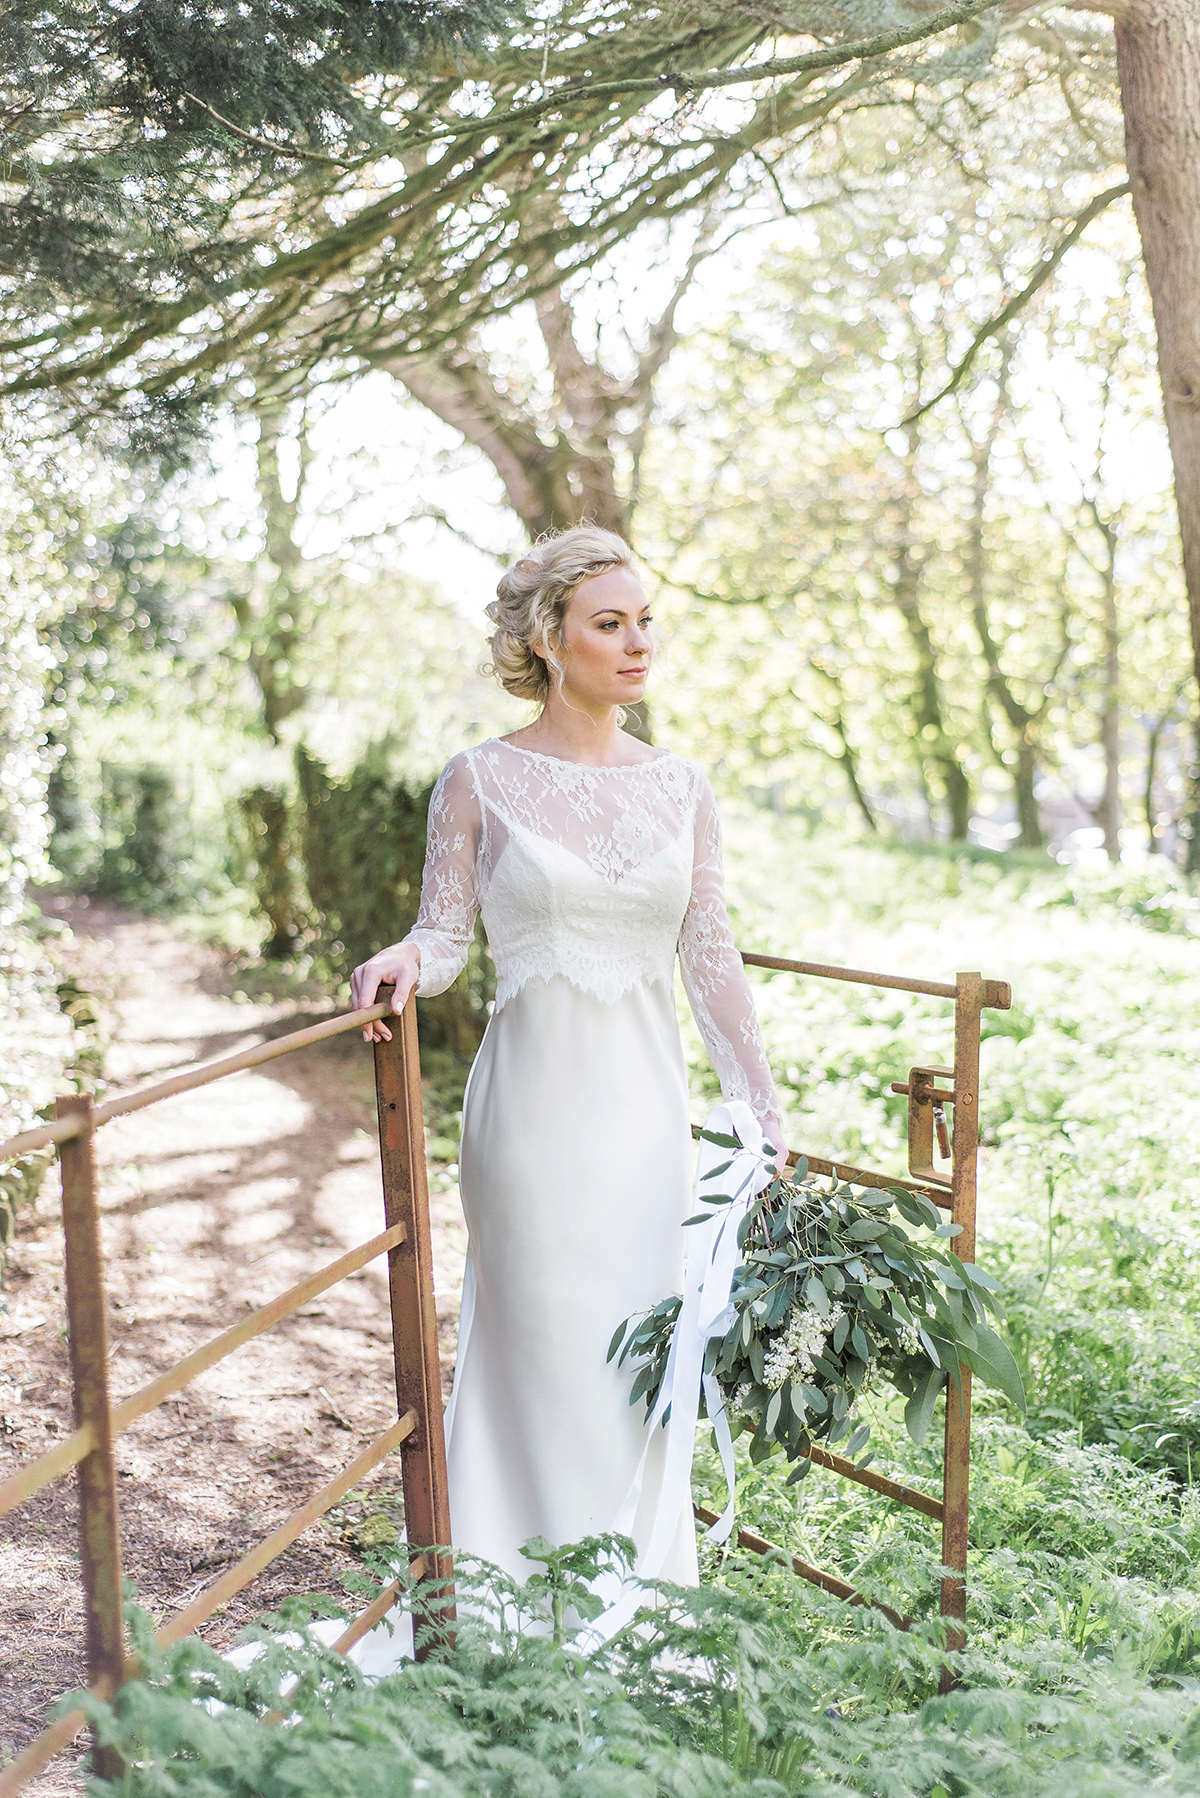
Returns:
(926, 1118)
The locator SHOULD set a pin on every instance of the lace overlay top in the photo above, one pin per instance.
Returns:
(597, 875)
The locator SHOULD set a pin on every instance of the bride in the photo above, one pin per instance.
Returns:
(594, 861)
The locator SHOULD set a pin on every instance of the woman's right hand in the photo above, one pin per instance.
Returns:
(396, 966)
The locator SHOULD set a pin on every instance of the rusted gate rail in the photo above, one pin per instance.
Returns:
(416, 1431)
(929, 1090)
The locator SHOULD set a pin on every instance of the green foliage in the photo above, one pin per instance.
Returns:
(1089, 1190)
(903, 618)
(754, 1683)
(832, 1297)
(362, 842)
(39, 1043)
(143, 860)
(124, 834)
(265, 818)
(147, 166)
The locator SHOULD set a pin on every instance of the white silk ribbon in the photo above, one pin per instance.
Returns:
(712, 1258)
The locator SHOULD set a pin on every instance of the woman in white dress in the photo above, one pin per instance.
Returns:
(594, 860)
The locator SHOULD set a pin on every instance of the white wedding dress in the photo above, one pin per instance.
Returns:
(576, 1158)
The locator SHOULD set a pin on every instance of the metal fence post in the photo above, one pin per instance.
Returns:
(968, 1006)
(414, 1314)
(87, 1321)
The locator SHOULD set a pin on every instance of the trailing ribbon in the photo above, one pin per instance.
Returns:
(727, 1182)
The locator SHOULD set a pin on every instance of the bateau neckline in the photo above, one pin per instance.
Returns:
(561, 761)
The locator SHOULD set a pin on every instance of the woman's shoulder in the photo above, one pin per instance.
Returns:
(458, 783)
(693, 772)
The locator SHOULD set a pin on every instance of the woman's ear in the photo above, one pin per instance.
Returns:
(552, 646)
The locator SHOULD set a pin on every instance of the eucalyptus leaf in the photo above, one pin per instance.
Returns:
(918, 1413)
(815, 1293)
(914, 1207)
(992, 1361)
(979, 1276)
(858, 1441)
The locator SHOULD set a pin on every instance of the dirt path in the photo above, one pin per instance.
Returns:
(212, 1202)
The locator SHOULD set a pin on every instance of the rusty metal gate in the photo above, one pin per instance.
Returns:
(417, 1430)
(955, 1190)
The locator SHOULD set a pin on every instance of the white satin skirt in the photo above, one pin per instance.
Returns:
(576, 1174)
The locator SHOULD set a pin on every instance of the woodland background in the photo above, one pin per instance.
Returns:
(875, 327)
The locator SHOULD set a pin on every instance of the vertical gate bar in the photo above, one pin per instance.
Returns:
(968, 1006)
(87, 1322)
(410, 1281)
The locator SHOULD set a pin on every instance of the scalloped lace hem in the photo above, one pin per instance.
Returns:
(608, 984)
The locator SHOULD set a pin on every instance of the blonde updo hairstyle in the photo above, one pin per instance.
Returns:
(531, 602)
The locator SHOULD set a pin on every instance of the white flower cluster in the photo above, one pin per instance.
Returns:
(791, 1355)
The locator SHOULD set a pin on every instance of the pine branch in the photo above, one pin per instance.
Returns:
(273, 149)
(684, 83)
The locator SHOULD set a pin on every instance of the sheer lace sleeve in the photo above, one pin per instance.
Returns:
(449, 887)
(715, 980)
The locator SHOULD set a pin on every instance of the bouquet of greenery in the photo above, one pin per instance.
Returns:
(834, 1295)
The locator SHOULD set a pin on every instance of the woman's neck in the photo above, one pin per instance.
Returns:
(576, 733)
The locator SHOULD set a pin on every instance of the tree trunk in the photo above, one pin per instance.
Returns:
(934, 748)
(849, 765)
(458, 389)
(1024, 722)
(1153, 738)
(1158, 62)
(1024, 774)
(275, 629)
(1110, 727)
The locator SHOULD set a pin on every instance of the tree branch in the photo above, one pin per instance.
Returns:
(264, 143)
(960, 12)
(1008, 312)
(461, 393)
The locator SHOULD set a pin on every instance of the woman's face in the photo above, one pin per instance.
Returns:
(606, 636)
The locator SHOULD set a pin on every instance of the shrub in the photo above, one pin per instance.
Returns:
(269, 859)
(37, 1043)
(143, 860)
(337, 872)
(756, 1685)
(362, 844)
